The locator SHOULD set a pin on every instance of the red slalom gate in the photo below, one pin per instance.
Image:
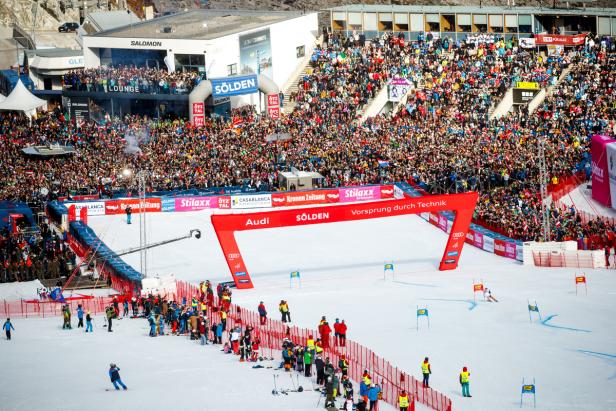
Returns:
(391, 378)
(226, 225)
(26, 309)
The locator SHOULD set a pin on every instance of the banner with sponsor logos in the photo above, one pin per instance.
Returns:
(234, 86)
(600, 173)
(225, 225)
(167, 204)
(478, 240)
(387, 192)
(360, 194)
(94, 207)
(560, 39)
(301, 198)
(488, 244)
(251, 201)
(195, 203)
(152, 205)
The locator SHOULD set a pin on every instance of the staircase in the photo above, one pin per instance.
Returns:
(289, 104)
(539, 98)
(78, 283)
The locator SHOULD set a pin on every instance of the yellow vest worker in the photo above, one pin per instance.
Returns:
(403, 400)
(310, 343)
(426, 371)
(464, 381)
(203, 307)
(223, 315)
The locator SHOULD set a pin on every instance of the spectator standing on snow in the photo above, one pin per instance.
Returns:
(110, 313)
(262, 313)
(7, 328)
(465, 382)
(129, 211)
(308, 363)
(114, 375)
(284, 310)
(125, 305)
(320, 367)
(373, 396)
(403, 401)
(89, 322)
(79, 316)
(341, 330)
(426, 370)
(325, 330)
(66, 315)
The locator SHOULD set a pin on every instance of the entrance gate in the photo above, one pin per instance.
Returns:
(226, 225)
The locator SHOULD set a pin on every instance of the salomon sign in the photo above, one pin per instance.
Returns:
(233, 86)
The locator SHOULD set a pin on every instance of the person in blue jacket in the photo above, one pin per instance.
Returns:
(161, 326)
(114, 375)
(89, 322)
(152, 325)
(363, 390)
(373, 395)
(219, 333)
(80, 316)
(7, 328)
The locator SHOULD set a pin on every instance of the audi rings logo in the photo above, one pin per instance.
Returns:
(233, 256)
(457, 234)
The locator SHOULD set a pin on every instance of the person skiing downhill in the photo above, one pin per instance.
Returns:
(7, 328)
(114, 375)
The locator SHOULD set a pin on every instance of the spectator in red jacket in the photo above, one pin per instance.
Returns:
(262, 313)
(340, 329)
(325, 330)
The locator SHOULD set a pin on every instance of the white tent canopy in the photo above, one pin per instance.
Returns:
(2, 98)
(21, 99)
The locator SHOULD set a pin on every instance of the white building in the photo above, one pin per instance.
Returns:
(215, 43)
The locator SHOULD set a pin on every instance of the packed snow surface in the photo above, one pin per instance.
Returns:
(23, 290)
(47, 368)
(570, 353)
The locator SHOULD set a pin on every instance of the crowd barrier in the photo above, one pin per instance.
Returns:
(570, 259)
(478, 236)
(273, 332)
(48, 308)
(566, 185)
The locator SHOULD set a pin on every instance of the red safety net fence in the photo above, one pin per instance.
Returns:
(48, 308)
(566, 185)
(563, 259)
(272, 334)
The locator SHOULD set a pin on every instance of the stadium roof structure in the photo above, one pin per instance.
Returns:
(369, 8)
(200, 24)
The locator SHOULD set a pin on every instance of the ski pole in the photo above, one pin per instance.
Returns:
(292, 382)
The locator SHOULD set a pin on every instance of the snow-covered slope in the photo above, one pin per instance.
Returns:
(47, 368)
(571, 354)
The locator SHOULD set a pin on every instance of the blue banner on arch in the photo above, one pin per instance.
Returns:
(235, 86)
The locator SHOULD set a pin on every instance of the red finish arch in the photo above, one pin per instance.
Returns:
(226, 225)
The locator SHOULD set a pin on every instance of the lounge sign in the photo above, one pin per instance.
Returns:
(234, 86)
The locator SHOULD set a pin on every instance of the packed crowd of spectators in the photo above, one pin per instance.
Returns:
(443, 139)
(131, 79)
(33, 254)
